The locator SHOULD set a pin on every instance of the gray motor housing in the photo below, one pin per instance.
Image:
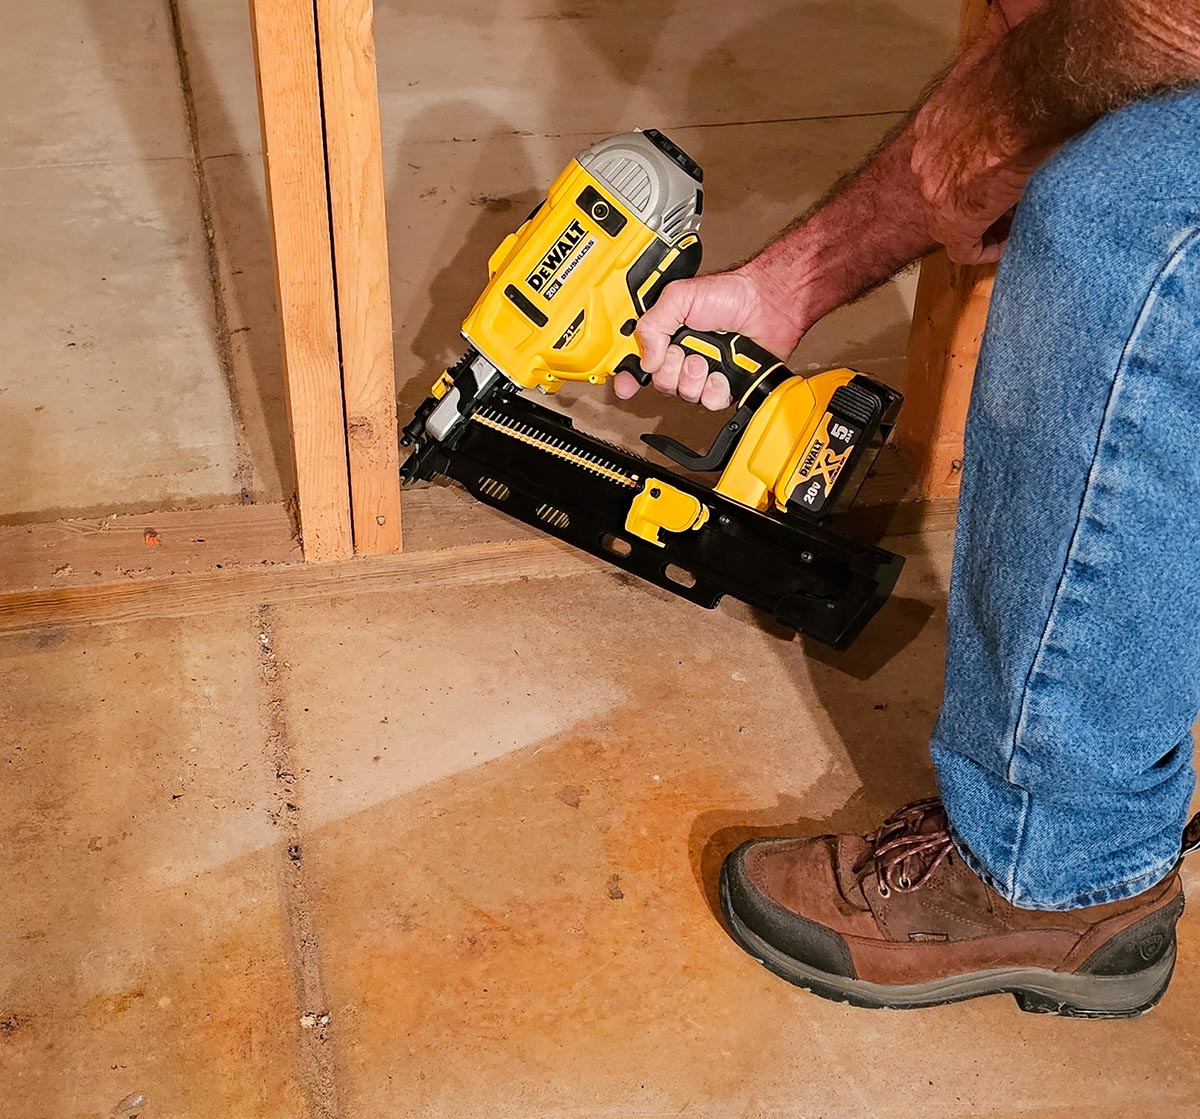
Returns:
(656, 179)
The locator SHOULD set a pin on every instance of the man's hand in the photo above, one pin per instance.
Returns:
(1039, 72)
(970, 167)
(1008, 104)
(736, 301)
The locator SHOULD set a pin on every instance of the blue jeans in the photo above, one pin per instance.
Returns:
(1063, 748)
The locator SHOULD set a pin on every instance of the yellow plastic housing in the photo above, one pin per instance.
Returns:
(660, 506)
(783, 443)
(573, 274)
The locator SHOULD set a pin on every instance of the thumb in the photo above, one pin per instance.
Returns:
(625, 386)
(990, 252)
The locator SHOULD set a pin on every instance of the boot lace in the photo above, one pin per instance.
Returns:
(905, 850)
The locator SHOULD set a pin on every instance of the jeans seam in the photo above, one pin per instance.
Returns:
(1116, 891)
(1019, 837)
(1178, 250)
(1158, 872)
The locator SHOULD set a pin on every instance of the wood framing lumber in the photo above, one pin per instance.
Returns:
(354, 151)
(873, 523)
(943, 348)
(98, 550)
(107, 570)
(971, 14)
(285, 51)
(94, 551)
(184, 595)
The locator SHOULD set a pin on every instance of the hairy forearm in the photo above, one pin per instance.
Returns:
(869, 226)
(1041, 71)
(871, 223)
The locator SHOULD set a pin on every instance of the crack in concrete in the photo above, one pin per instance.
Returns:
(317, 1071)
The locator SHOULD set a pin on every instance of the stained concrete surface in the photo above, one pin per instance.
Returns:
(144, 949)
(455, 856)
(142, 371)
(112, 383)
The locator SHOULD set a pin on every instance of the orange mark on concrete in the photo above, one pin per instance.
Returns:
(492, 937)
(121, 1001)
(210, 1023)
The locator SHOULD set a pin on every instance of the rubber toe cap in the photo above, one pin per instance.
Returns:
(797, 936)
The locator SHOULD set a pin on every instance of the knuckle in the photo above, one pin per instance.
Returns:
(665, 381)
(671, 300)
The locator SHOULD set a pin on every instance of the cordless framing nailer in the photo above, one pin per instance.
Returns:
(561, 304)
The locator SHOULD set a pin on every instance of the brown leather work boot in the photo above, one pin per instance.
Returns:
(896, 919)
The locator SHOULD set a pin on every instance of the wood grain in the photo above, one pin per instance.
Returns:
(949, 317)
(99, 550)
(184, 595)
(437, 517)
(871, 524)
(353, 146)
(285, 54)
(971, 17)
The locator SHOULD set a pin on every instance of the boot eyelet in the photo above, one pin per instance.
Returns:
(884, 892)
(904, 882)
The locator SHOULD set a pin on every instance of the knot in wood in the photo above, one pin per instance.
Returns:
(361, 429)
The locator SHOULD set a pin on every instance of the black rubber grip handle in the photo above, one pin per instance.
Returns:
(742, 360)
(753, 374)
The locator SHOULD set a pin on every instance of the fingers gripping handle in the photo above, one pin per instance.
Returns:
(743, 361)
(752, 372)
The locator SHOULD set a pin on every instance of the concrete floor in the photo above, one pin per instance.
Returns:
(454, 856)
(141, 362)
(441, 855)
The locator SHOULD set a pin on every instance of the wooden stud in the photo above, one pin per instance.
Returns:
(354, 151)
(285, 54)
(943, 348)
(971, 17)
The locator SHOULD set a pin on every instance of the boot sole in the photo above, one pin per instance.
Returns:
(1037, 990)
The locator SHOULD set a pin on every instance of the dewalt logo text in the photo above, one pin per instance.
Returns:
(810, 459)
(555, 256)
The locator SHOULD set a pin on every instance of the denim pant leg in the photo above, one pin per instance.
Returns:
(1063, 748)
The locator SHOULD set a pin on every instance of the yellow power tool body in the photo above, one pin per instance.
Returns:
(564, 294)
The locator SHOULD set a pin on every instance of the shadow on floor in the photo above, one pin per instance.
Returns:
(885, 740)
